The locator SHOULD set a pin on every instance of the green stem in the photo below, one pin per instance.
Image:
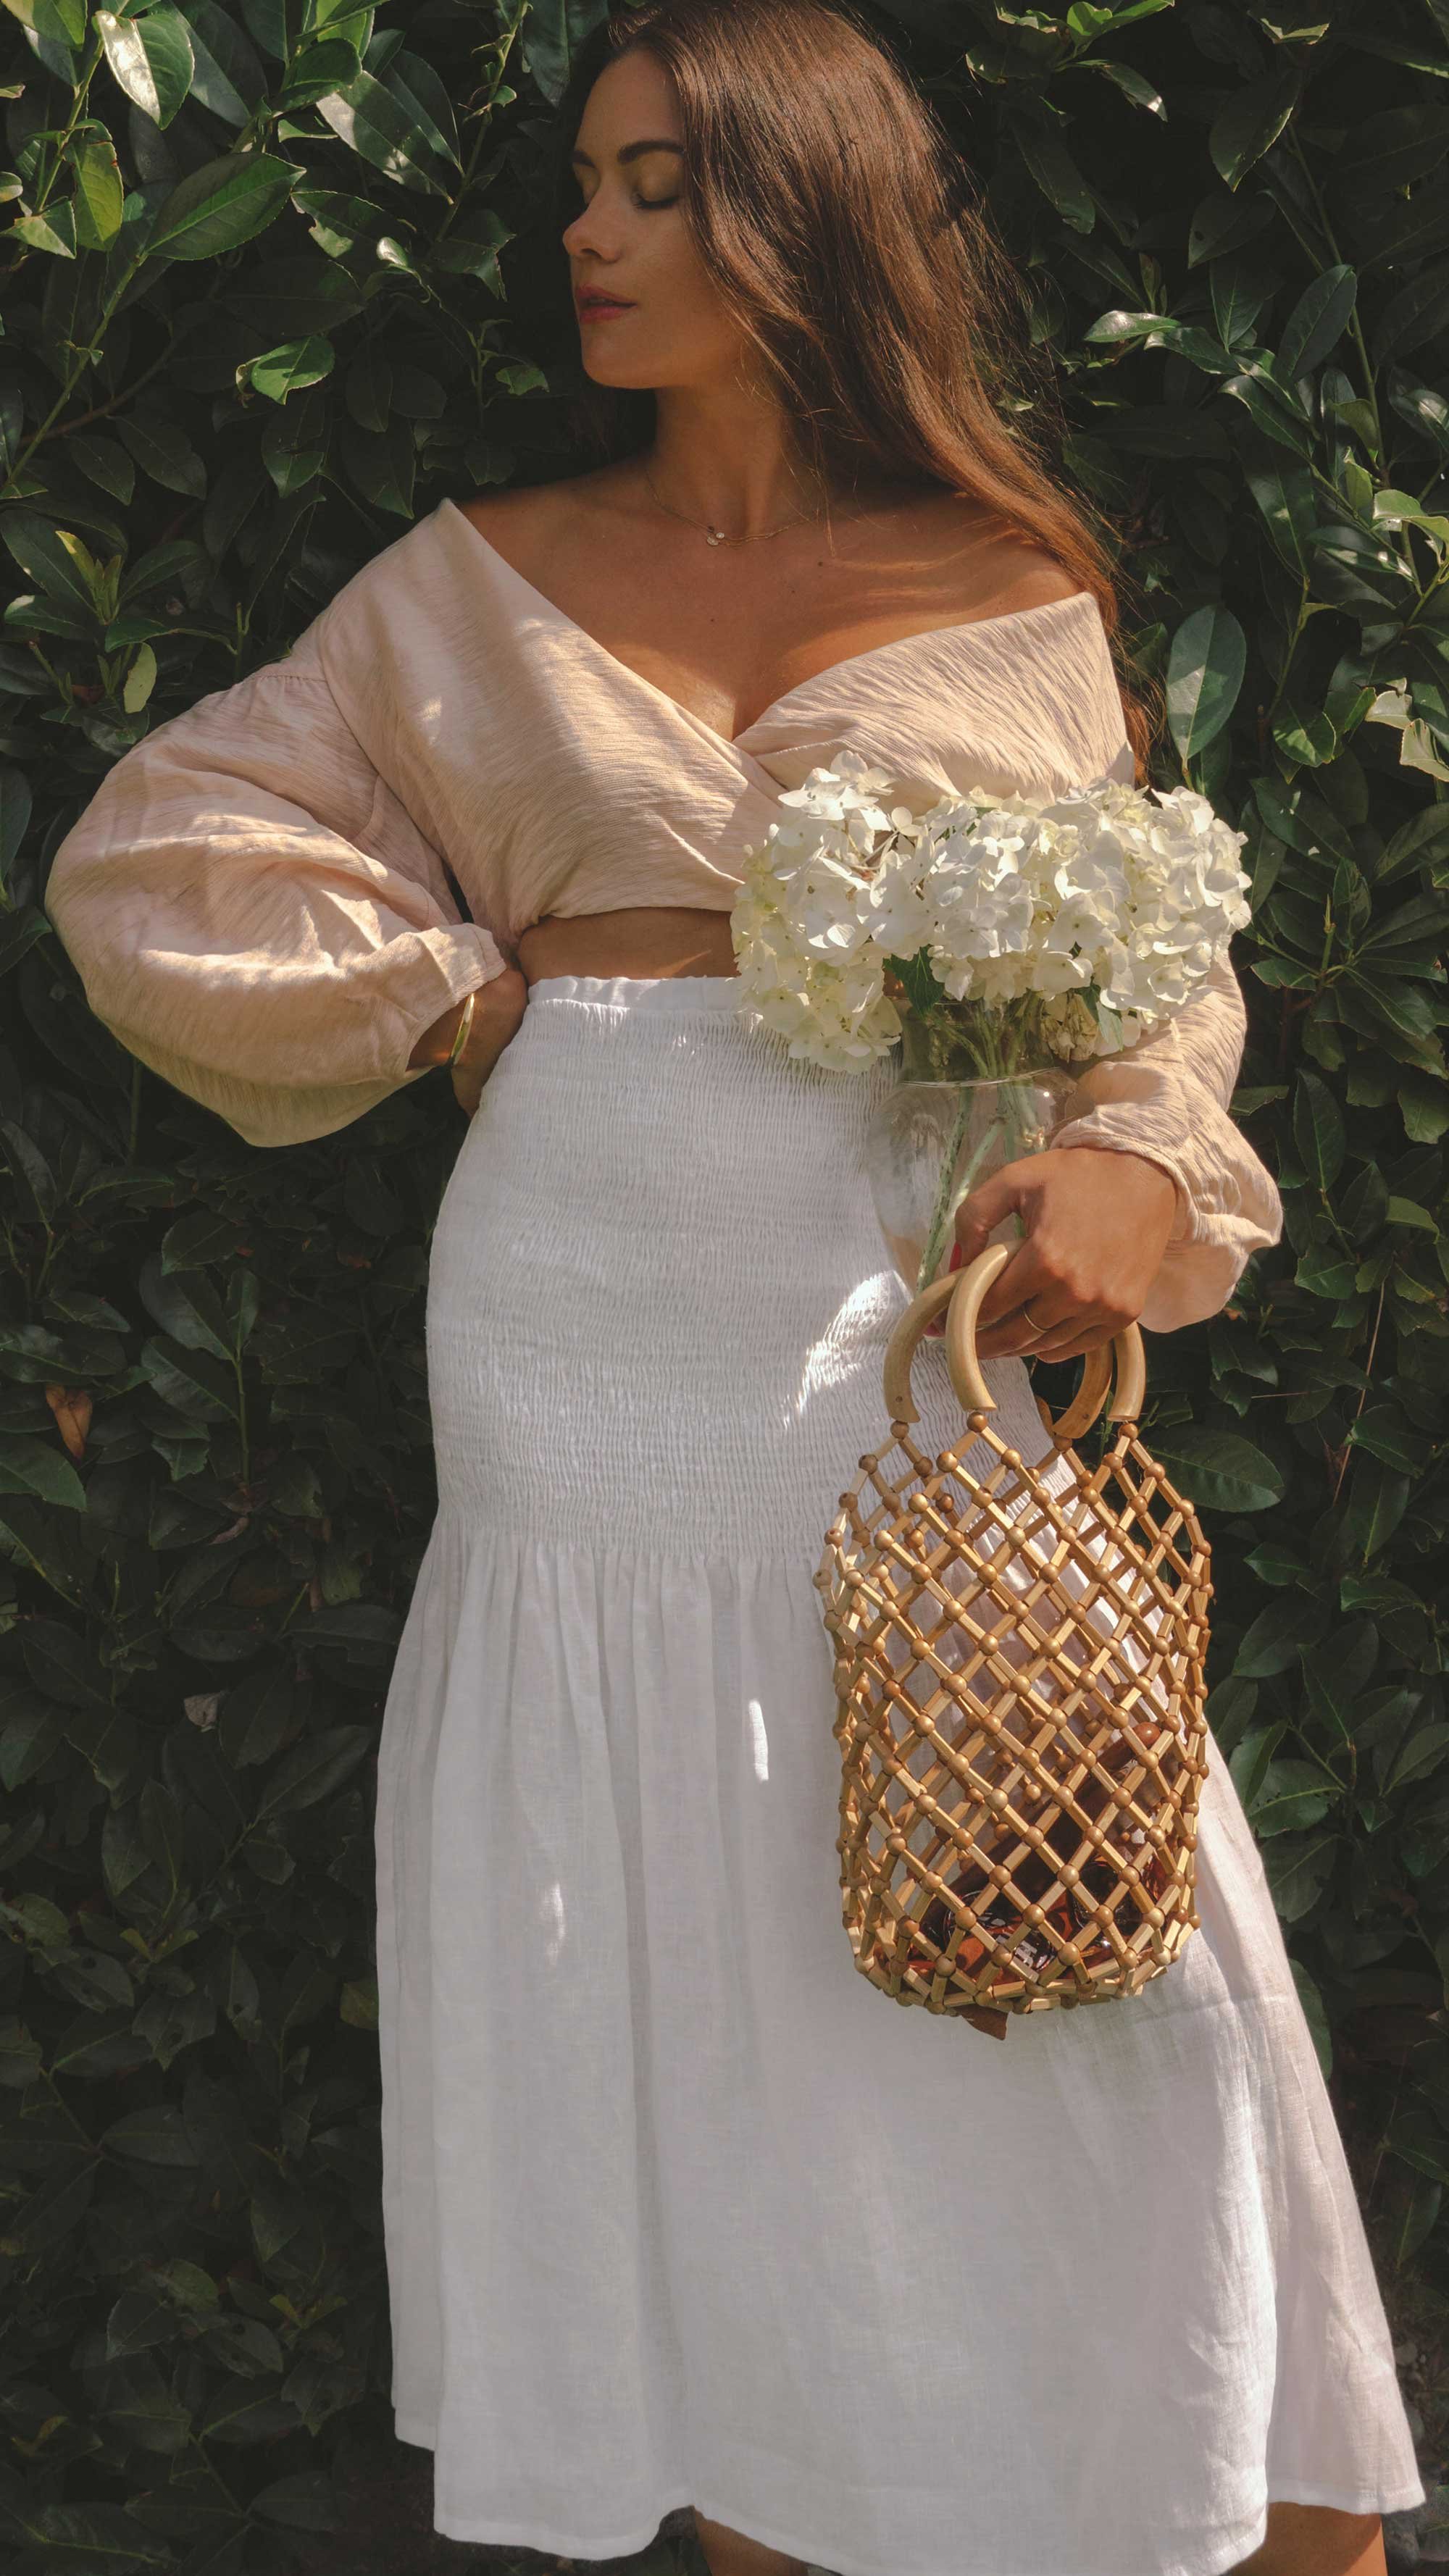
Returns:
(1355, 325)
(1293, 644)
(60, 140)
(937, 1228)
(71, 381)
(500, 47)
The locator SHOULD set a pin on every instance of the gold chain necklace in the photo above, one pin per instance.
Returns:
(714, 536)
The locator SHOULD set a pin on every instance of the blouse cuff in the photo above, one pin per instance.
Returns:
(1227, 1208)
(454, 962)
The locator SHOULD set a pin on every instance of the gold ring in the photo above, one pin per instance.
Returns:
(1030, 1318)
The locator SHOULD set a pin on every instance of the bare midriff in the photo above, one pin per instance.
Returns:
(638, 940)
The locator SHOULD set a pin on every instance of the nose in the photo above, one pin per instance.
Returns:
(591, 233)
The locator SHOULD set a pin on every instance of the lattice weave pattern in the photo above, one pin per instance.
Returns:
(1019, 1677)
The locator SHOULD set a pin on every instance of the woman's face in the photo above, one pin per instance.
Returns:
(649, 313)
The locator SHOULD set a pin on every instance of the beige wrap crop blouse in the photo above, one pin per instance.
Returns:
(256, 901)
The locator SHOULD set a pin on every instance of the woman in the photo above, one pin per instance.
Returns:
(676, 2212)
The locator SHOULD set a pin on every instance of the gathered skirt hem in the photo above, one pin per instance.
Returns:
(592, 2546)
(1239, 2540)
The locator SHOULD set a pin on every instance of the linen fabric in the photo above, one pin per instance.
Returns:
(679, 2208)
(260, 895)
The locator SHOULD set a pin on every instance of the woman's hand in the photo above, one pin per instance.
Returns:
(498, 1009)
(1097, 1224)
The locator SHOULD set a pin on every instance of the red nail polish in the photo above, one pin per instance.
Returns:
(955, 1261)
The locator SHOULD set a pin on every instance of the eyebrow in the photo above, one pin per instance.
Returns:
(632, 151)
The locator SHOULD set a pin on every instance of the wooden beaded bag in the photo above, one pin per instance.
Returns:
(1019, 1676)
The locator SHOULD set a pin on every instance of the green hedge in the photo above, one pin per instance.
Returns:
(275, 281)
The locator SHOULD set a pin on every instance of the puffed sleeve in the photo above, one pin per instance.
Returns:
(1166, 1097)
(254, 914)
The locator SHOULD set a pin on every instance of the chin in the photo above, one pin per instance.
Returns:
(628, 379)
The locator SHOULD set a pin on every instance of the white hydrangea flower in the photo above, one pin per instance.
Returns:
(1126, 892)
(808, 967)
(846, 796)
(1071, 1029)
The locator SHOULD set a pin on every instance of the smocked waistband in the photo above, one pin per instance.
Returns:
(642, 992)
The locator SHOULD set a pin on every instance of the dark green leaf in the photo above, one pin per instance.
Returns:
(1204, 674)
(1424, 409)
(1317, 322)
(1279, 1635)
(14, 815)
(413, 83)
(1414, 2219)
(387, 132)
(221, 204)
(226, 76)
(552, 32)
(1252, 120)
(39, 1467)
(1219, 1470)
(1057, 176)
(1424, 1103)
(39, 550)
(1290, 1797)
(1419, 312)
(155, 2135)
(382, 466)
(55, 230)
(1423, 1753)
(1222, 224)
(1378, 1499)
(1417, 2137)
(279, 372)
(313, 1769)
(1240, 289)
(1273, 413)
(150, 57)
(1315, 2014)
(1318, 1129)
(163, 451)
(1284, 493)
(1298, 1867)
(1388, 152)
(99, 200)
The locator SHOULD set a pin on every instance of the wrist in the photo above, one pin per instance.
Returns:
(1167, 1202)
(435, 1044)
(462, 1033)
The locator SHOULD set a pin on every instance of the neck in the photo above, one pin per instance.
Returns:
(721, 457)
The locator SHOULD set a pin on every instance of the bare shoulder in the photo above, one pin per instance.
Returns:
(529, 522)
(981, 567)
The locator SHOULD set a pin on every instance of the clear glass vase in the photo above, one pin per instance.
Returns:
(932, 1140)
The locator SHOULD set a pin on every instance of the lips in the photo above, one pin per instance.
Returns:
(589, 306)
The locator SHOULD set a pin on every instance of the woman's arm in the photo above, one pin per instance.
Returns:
(1149, 1201)
(255, 915)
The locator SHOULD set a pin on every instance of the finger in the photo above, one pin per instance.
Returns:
(982, 1209)
(1075, 1334)
(1011, 1339)
(1027, 1278)
(1010, 1289)
(1101, 1325)
(1046, 1311)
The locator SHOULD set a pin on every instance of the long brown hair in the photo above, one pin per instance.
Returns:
(842, 232)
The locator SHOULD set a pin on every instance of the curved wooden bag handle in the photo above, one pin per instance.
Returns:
(961, 1293)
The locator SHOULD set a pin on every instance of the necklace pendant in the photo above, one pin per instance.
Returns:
(714, 536)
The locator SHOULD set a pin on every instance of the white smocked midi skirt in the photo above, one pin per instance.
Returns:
(679, 2209)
